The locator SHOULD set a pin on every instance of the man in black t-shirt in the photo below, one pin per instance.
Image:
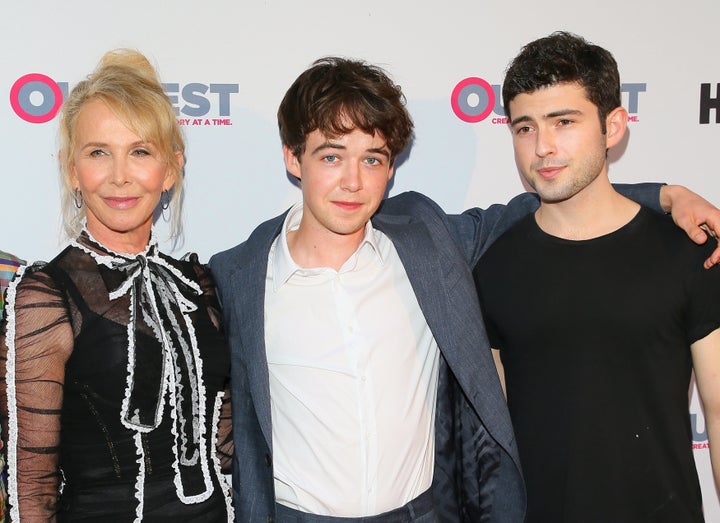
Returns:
(599, 308)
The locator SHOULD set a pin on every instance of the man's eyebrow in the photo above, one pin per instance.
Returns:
(327, 145)
(554, 114)
(520, 119)
(333, 145)
(380, 150)
(562, 112)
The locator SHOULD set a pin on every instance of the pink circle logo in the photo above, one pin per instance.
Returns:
(25, 87)
(466, 89)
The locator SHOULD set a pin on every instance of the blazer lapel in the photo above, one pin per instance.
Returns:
(439, 278)
(248, 283)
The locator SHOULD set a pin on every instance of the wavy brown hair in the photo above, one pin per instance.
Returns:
(564, 57)
(337, 95)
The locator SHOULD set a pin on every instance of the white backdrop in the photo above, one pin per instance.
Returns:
(227, 65)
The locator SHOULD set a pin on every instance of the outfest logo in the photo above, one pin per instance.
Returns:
(36, 98)
(474, 100)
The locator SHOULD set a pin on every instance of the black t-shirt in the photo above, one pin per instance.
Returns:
(594, 337)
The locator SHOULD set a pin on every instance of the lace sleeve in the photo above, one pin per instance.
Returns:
(225, 445)
(33, 351)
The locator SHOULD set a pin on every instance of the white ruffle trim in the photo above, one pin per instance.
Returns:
(11, 396)
(224, 485)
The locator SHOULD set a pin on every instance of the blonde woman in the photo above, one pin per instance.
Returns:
(116, 364)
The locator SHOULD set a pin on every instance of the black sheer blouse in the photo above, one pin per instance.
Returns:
(115, 403)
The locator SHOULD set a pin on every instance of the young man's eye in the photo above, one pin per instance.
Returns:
(373, 161)
(330, 158)
(522, 130)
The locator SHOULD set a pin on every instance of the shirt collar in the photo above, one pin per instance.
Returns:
(283, 265)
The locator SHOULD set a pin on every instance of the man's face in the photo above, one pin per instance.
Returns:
(559, 145)
(343, 181)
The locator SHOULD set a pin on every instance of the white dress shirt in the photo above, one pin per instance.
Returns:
(353, 381)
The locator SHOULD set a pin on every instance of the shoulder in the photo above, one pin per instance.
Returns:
(42, 270)
(655, 238)
(408, 202)
(662, 229)
(522, 241)
(411, 207)
(40, 282)
(525, 229)
(53, 276)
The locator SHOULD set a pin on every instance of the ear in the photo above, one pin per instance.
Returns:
(615, 125)
(74, 180)
(292, 162)
(171, 176)
(72, 171)
(391, 171)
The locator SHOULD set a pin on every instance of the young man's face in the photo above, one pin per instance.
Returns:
(343, 181)
(558, 141)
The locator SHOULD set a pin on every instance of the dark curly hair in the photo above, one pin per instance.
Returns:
(564, 57)
(337, 95)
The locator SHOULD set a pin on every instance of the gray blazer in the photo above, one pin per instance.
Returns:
(477, 473)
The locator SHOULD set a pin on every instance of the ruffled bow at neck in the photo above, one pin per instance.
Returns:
(164, 366)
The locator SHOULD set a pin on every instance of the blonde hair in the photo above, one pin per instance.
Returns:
(126, 82)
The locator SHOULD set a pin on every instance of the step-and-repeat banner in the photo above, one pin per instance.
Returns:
(227, 64)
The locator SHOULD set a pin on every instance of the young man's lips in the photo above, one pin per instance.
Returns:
(550, 172)
(348, 206)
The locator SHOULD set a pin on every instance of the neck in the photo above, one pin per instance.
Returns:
(595, 211)
(325, 249)
(132, 242)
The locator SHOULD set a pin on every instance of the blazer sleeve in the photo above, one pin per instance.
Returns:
(646, 194)
(476, 229)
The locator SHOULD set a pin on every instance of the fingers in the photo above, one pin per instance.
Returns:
(714, 258)
(694, 231)
(710, 230)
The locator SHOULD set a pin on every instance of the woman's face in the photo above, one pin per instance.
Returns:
(120, 176)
